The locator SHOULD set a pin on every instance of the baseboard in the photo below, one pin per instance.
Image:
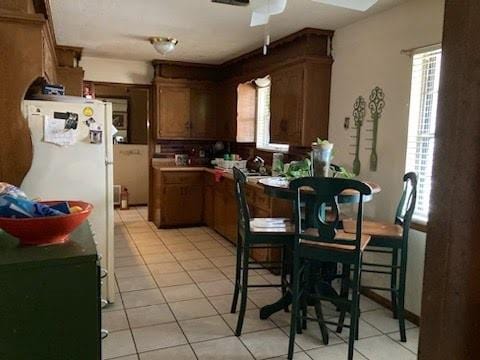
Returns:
(379, 299)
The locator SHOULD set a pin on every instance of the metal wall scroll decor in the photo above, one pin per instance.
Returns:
(358, 117)
(376, 105)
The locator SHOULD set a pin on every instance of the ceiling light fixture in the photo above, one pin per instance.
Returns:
(163, 45)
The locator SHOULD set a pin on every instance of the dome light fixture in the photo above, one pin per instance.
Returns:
(163, 45)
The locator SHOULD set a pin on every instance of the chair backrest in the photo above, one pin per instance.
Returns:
(408, 200)
(318, 193)
(242, 206)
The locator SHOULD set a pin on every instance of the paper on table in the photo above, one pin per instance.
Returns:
(268, 223)
(54, 132)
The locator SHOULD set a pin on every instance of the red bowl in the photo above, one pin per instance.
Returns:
(46, 230)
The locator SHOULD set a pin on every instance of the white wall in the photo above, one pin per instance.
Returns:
(114, 70)
(131, 171)
(367, 54)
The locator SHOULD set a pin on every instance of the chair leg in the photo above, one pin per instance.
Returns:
(344, 294)
(321, 324)
(306, 285)
(354, 311)
(244, 288)
(401, 295)
(393, 283)
(295, 289)
(284, 274)
(238, 269)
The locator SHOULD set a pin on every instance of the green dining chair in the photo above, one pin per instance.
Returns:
(256, 233)
(391, 239)
(321, 241)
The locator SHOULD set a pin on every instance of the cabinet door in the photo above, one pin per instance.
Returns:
(208, 207)
(172, 206)
(286, 106)
(182, 204)
(173, 112)
(219, 211)
(192, 204)
(202, 112)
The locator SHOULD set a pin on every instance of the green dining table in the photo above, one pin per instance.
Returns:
(279, 187)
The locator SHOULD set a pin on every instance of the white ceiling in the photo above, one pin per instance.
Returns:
(207, 32)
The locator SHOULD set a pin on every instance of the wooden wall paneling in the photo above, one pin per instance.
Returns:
(68, 55)
(24, 6)
(22, 38)
(227, 98)
(138, 108)
(72, 79)
(184, 70)
(306, 42)
(450, 318)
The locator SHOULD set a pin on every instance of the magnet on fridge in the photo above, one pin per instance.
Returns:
(96, 135)
(90, 121)
(88, 111)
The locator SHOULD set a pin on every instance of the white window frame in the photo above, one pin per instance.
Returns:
(263, 122)
(426, 64)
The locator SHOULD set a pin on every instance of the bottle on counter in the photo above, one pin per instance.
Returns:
(124, 199)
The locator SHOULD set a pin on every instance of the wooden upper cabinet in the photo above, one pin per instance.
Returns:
(286, 105)
(202, 112)
(186, 110)
(173, 111)
(299, 103)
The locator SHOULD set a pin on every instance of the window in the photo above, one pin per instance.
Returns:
(421, 126)
(263, 121)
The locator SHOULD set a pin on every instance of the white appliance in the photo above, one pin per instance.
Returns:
(80, 171)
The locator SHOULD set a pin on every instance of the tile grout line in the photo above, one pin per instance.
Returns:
(166, 301)
(219, 268)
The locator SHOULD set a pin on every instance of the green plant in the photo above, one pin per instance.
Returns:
(341, 172)
(299, 169)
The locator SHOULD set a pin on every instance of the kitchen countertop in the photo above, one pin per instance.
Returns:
(227, 174)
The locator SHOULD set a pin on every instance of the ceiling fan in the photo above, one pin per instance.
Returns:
(263, 9)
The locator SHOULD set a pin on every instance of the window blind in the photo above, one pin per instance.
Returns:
(421, 127)
(263, 121)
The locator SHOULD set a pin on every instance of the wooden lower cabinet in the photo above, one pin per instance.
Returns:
(209, 201)
(186, 198)
(180, 198)
(225, 221)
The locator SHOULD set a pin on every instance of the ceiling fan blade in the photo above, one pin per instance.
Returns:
(359, 5)
(262, 10)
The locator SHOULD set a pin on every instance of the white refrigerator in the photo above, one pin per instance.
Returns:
(77, 169)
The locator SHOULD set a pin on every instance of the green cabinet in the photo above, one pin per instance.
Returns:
(50, 299)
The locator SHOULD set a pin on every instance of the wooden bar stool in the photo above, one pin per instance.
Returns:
(323, 242)
(393, 237)
(256, 233)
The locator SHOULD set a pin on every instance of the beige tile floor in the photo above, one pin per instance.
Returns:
(173, 300)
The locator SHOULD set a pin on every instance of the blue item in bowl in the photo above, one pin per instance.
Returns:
(21, 208)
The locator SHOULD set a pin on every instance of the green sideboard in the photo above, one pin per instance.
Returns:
(50, 299)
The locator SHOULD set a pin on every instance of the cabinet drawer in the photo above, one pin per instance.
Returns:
(182, 177)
